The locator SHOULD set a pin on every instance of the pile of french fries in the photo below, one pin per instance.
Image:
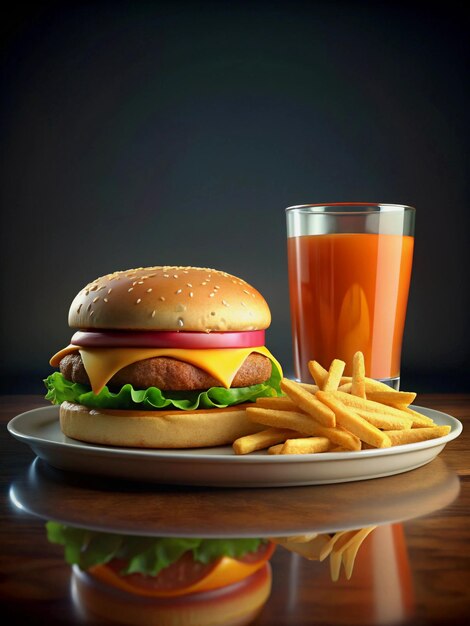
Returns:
(336, 414)
(341, 547)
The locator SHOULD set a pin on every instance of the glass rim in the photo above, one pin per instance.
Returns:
(340, 208)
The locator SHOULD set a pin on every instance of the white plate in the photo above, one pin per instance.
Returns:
(220, 467)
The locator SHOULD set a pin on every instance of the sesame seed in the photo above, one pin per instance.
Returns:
(88, 307)
(149, 290)
(96, 299)
(138, 301)
(204, 283)
(166, 276)
(180, 322)
(242, 303)
(105, 299)
(134, 283)
(175, 275)
(79, 307)
(245, 291)
(140, 282)
(153, 313)
(191, 294)
(211, 295)
(162, 298)
(91, 313)
(109, 290)
(225, 303)
(130, 289)
(178, 291)
(189, 284)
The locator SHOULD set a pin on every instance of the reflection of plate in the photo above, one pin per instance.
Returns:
(144, 509)
(219, 467)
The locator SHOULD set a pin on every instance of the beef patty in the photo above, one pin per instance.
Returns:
(169, 374)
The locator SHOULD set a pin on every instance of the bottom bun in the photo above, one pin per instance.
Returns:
(233, 605)
(156, 429)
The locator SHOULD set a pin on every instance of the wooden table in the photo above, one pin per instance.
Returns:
(413, 568)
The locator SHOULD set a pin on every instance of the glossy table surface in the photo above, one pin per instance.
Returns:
(412, 568)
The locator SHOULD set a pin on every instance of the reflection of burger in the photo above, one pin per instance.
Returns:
(161, 581)
(164, 357)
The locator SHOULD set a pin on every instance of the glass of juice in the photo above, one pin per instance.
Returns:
(349, 277)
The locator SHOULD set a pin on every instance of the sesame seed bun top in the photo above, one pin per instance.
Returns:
(169, 298)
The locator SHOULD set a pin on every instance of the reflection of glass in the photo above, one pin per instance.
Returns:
(349, 275)
(380, 590)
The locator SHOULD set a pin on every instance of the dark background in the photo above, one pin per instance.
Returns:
(141, 133)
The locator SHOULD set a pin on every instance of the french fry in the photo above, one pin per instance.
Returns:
(384, 421)
(333, 378)
(392, 398)
(304, 424)
(280, 403)
(262, 439)
(337, 414)
(306, 445)
(309, 387)
(367, 405)
(370, 386)
(350, 420)
(401, 437)
(376, 385)
(300, 422)
(308, 403)
(419, 420)
(358, 387)
(318, 373)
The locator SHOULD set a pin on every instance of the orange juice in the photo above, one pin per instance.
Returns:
(349, 292)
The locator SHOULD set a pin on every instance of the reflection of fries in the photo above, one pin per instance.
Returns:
(338, 414)
(342, 548)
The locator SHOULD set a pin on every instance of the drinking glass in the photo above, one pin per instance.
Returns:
(349, 277)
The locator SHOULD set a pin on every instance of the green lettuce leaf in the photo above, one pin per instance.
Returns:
(59, 390)
(144, 555)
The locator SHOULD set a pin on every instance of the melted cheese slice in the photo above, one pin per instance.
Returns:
(102, 363)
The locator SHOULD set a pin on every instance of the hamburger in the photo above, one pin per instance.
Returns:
(164, 357)
(123, 579)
